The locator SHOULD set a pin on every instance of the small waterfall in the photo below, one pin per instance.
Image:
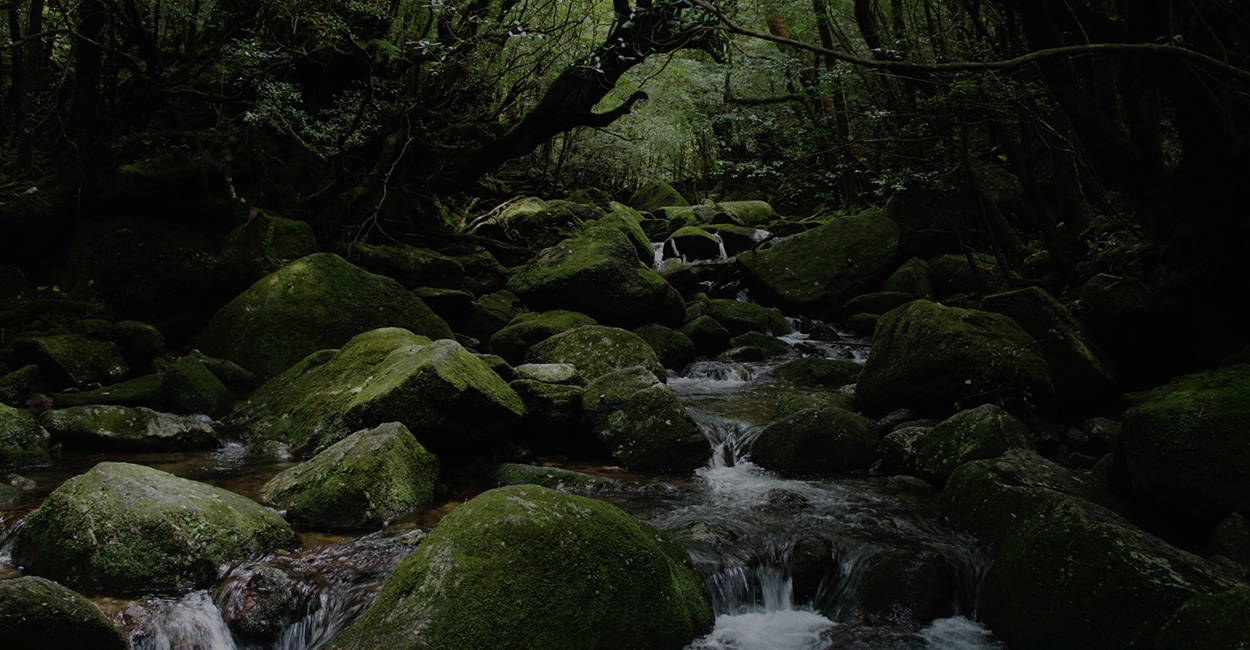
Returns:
(657, 247)
(191, 622)
(720, 247)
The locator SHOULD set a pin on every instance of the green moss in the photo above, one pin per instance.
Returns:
(694, 243)
(140, 391)
(596, 350)
(817, 371)
(113, 427)
(629, 221)
(708, 335)
(16, 386)
(73, 359)
(984, 432)
(642, 423)
(38, 613)
(673, 348)
(188, 386)
(129, 528)
(741, 317)
(528, 567)
(524, 330)
(555, 478)
(911, 278)
(408, 265)
(656, 195)
(749, 213)
(795, 401)
(770, 346)
(23, 443)
(1210, 622)
(817, 440)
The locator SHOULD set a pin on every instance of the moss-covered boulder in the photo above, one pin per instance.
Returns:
(795, 401)
(749, 213)
(263, 245)
(488, 314)
(73, 360)
(986, 431)
(912, 278)
(769, 346)
(534, 223)
(600, 275)
(692, 243)
(140, 391)
(655, 195)
(817, 441)
(16, 386)
(629, 222)
(554, 422)
(952, 274)
(596, 350)
(818, 371)
(127, 428)
(38, 613)
(529, 567)
(130, 528)
(360, 481)
(446, 396)
(1186, 446)
(708, 336)
(642, 423)
(816, 271)
(1082, 378)
(23, 443)
(1219, 621)
(556, 478)
(876, 303)
(188, 386)
(673, 348)
(524, 330)
(938, 359)
(313, 303)
(1067, 570)
(408, 265)
(737, 239)
(741, 317)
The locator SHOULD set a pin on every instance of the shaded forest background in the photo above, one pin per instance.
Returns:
(1121, 149)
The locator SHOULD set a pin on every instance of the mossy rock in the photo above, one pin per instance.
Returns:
(816, 371)
(643, 424)
(629, 222)
(263, 245)
(260, 603)
(361, 481)
(514, 340)
(912, 278)
(740, 317)
(596, 350)
(951, 274)
(1067, 570)
(986, 431)
(232, 375)
(488, 314)
(447, 397)
(816, 271)
(23, 443)
(876, 303)
(123, 528)
(410, 266)
(673, 348)
(537, 224)
(140, 391)
(737, 239)
(313, 303)
(549, 373)
(770, 346)
(127, 428)
(554, 421)
(16, 386)
(188, 386)
(708, 335)
(693, 243)
(938, 359)
(555, 478)
(1186, 447)
(1219, 621)
(749, 213)
(38, 613)
(796, 401)
(139, 342)
(655, 195)
(528, 567)
(1083, 379)
(598, 274)
(817, 441)
(483, 272)
(73, 360)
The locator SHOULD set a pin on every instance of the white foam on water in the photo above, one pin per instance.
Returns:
(790, 629)
(958, 633)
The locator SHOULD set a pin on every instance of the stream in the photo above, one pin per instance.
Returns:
(848, 562)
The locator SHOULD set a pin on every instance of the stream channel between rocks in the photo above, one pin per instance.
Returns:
(854, 561)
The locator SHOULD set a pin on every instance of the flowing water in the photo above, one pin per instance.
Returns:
(792, 563)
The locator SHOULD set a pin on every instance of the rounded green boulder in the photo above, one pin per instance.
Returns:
(528, 567)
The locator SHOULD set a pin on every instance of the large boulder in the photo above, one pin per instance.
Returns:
(262, 245)
(23, 443)
(817, 440)
(1210, 622)
(1187, 449)
(1067, 570)
(596, 350)
(447, 397)
(524, 330)
(126, 428)
(672, 348)
(188, 386)
(529, 567)
(410, 266)
(38, 613)
(73, 360)
(741, 317)
(1082, 378)
(360, 481)
(986, 431)
(313, 303)
(130, 528)
(598, 274)
(938, 359)
(818, 371)
(655, 195)
(816, 271)
(642, 423)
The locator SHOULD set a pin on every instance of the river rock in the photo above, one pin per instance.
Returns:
(936, 359)
(265, 603)
(140, 391)
(986, 431)
(876, 303)
(23, 443)
(524, 330)
(674, 349)
(529, 567)
(563, 480)
(447, 397)
(1068, 570)
(629, 222)
(38, 613)
(906, 583)
(550, 373)
(816, 271)
(130, 528)
(1186, 447)
(598, 274)
(554, 421)
(73, 360)
(692, 243)
(747, 213)
(817, 441)
(107, 427)
(188, 386)
(912, 278)
(596, 350)
(1082, 378)
(313, 303)
(769, 346)
(1209, 622)
(262, 245)
(360, 481)
(816, 371)
(642, 423)
(532, 222)
(741, 317)
(795, 401)
(410, 266)
(708, 336)
(655, 195)
(16, 386)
